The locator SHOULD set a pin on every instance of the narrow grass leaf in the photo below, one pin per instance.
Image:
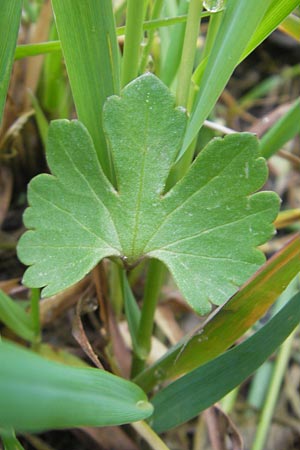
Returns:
(239, 21)
(89, 44)
(248, 305)
(15, 318)
(291, 26)
(41, 120)
(202, 387)
(132, 311)
(55, 95)
(9, 25)
(285, 129)
(171, 60)
(10, 441)
(37, 394)
(274, 16)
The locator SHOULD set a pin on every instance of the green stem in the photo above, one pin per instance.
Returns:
(149, 435)
(25, 50)
(151, 33)
(155, 278)
(133, 37)
(188, 53)
(269, 406)
(184, 83)
(213, 28)
(115, 288)
(35, 315)
(229, 400)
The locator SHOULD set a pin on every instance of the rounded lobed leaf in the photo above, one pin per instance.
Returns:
(205, 230)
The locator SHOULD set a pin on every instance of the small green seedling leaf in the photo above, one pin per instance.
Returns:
(37, 394)
(205, 229)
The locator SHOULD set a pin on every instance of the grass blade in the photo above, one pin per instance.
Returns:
(284, 130)
(133, 39)
(171, 61)
(9, 25)
(38, 394)
(276, 13)
(15, 318)
(88, 39)
(237, 315)
(291, 26)
(10, 441)
(239, 21)
(202, 387)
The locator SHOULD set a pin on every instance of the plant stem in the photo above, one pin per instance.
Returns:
(229, 400)
(213, 27)
(151, 33)
(184, 82)
(133, 37)
(35, 315)
(188, 53)
(268, 410)
(155, 278)
(149, 435)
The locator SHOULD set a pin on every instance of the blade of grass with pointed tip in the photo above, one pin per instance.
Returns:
(239, 21)
(89, 44)
(202, 387)
(237, 315)
(37, 394)
(282, 131)
(9, 25)
(15, 318)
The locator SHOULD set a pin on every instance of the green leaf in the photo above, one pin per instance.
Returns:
(234, 318)
(202, 387)
(89, 44)
(132, 311)
(282, 131)
(204, 230)
(239, 21)
(38, 394)
(275, 14)
(291, 26)
(15, 318)
(9, 25)
(10, 441)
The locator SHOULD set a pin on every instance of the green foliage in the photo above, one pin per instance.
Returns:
(239, 20)
(202, 387)
(15, 318)
(285, 129)
(37, 394)
(9, 26)
(235, 317)
(77, 218)
(89, 43)
(113, 192)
